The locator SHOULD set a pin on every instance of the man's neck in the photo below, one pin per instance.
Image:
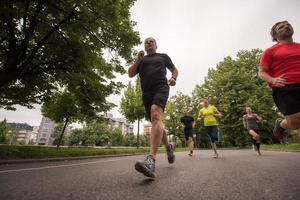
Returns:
(151, 53)
(285, 41)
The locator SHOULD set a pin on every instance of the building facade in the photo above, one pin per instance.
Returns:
(120, 123)
(45, 131)
(147, 128)
(21, 132)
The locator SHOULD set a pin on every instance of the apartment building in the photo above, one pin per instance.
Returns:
(121, 123)
(21, 131)
(45, 130)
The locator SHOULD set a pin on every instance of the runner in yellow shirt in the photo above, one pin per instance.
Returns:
(209, 113)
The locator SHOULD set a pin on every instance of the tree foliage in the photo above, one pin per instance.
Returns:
(4, 132)
(57, 134)
(93, 133)
(73, 44)
(131, 105)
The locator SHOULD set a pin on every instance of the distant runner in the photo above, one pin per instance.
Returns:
(209, 113)
(250, 123)
(188, 124)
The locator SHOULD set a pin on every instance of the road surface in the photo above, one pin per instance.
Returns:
(237, 174)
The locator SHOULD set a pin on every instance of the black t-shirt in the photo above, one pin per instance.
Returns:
(152, 71)
(187, 121)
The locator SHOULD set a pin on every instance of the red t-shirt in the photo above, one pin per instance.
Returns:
(283, 60)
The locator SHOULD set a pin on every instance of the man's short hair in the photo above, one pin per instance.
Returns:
(273, 31)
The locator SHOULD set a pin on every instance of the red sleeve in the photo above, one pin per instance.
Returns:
(266, 59)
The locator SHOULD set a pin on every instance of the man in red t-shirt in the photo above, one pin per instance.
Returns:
(280, 67)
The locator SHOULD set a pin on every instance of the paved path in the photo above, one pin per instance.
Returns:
(237, 174)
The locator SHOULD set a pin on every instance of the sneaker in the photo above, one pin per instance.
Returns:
(190, 154)
(278, 131)
(146, 166)
(170, 153)
(216, 156)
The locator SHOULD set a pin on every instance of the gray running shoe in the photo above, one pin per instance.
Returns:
(170, 153)
(146, 166)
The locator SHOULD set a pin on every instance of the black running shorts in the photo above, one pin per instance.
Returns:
(188, 133)
(158, 97)
(287, 99)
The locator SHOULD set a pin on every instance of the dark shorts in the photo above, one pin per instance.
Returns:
(188, 133)
(158, 97)
(287, 99)
(212, 132)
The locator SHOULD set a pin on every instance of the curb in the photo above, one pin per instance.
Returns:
(38, 160)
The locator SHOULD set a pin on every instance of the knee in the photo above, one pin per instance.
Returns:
(293, 122)
(155, 116)
(294, 125)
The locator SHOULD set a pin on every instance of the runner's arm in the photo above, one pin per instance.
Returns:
(276, 81)
(217, 113)
(244, 122)
(182, 125)
(132, 71)
(194, 123)
(173, 79)
(258, 117)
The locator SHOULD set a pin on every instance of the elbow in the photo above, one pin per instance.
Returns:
(130, 74)
(259, 74)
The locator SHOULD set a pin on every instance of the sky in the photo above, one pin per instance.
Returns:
(197, 35)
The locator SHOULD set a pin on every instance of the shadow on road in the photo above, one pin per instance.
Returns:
(147, 181)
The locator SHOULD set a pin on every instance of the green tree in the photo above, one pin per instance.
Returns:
(132, 105)
(117, 138)
(231, 86)
(144, 140)
(130, 140)
(61, 108)
(74, 44)
(76, 137)
(57, 134)
(4, 132)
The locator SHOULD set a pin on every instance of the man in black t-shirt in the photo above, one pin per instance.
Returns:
(155, 87)
(188, 124)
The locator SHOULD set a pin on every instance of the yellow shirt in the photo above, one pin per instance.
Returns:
(208, 114)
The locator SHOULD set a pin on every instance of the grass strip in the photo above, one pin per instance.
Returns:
(19, 152)
(295, 147)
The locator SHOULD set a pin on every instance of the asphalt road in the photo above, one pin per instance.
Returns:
(237, 174)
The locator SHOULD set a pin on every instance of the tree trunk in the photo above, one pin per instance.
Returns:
(138, 135)
(63, 130)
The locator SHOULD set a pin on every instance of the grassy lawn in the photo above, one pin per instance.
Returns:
(17, 152)
(282, 147)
